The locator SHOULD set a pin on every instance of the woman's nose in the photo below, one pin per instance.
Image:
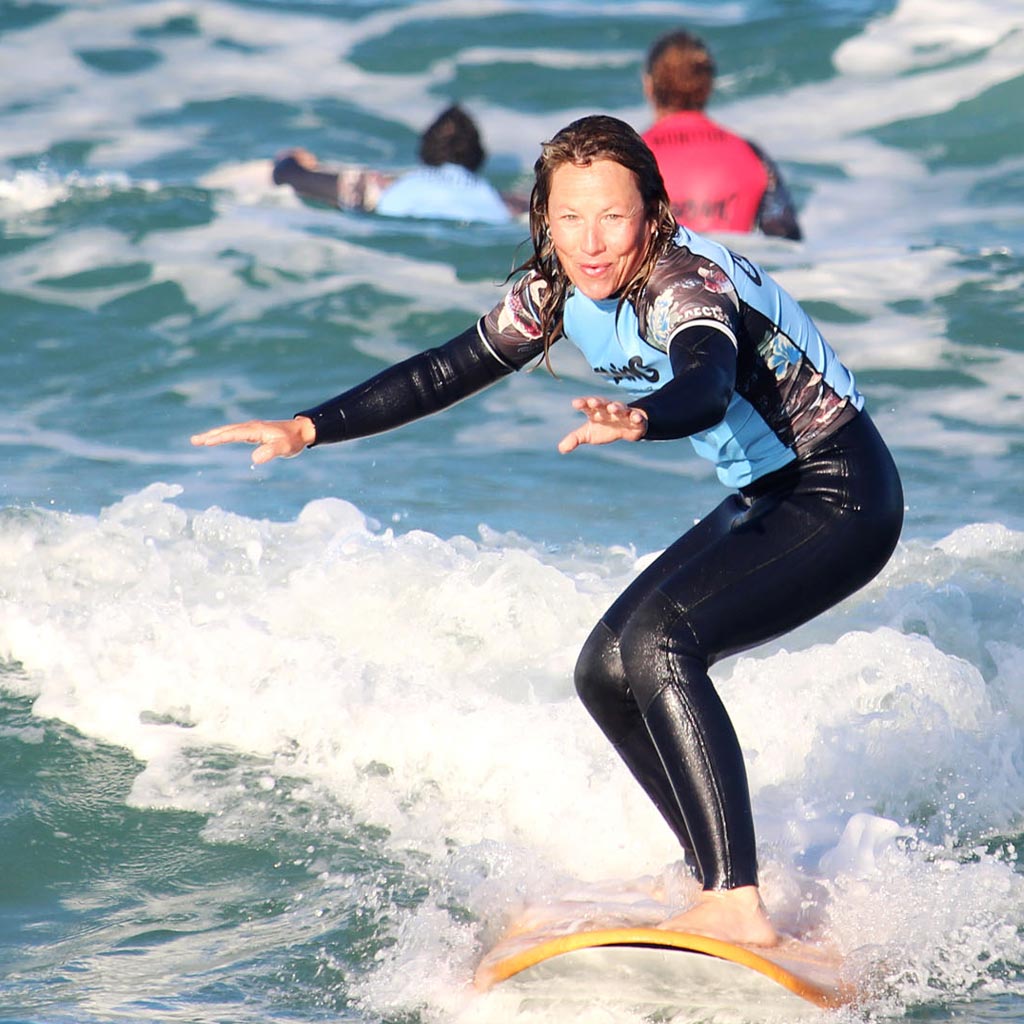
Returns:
(593, 240)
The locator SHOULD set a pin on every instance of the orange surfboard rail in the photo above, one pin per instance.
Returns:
(804, 970)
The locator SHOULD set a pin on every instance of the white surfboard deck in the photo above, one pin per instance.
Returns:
(649, 967)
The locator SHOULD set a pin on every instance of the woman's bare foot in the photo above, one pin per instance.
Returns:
(733, 915)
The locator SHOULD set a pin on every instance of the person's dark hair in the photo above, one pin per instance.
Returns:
(681, 71)
(596, 137)
(452, 139)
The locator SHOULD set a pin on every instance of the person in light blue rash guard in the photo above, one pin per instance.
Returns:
(447, 185)
(702, 344)
(448, 192)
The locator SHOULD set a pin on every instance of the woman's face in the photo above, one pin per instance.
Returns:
(596, 219)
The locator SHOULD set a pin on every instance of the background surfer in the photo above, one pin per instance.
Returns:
(447, 185)
(717, 352)
(716, 180)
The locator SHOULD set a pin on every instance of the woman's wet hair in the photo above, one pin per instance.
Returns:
(586, 140)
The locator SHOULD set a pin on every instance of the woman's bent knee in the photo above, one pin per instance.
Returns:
(658, 646)
(599, 677)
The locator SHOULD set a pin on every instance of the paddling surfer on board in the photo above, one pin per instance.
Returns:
(447, 185)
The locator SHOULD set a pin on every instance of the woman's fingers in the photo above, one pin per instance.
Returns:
(275, 438)
(607, 421)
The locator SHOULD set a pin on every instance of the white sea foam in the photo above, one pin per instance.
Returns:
(426, 685)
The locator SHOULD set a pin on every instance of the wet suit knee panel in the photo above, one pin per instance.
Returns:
(601, 683)
(658, 646)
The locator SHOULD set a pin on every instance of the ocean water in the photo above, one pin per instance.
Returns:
(294, 743)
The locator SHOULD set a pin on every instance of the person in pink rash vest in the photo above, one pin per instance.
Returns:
(716, 180)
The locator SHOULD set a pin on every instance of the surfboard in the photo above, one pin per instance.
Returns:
(649, 966)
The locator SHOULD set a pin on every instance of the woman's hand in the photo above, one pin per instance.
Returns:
(276, 438)
(606, 422)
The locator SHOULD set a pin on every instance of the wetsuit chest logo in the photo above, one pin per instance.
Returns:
(634, 370)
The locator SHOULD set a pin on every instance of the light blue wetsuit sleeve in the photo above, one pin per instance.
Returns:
(448, 192)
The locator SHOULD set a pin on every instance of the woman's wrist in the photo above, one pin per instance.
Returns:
(307, 430)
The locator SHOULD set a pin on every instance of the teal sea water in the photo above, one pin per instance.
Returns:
(293, 743)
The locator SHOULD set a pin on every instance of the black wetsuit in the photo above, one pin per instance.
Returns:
(725, 357)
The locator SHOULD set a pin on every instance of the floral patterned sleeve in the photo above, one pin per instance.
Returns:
(686, 290)
(360, 189)
(512, 328)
